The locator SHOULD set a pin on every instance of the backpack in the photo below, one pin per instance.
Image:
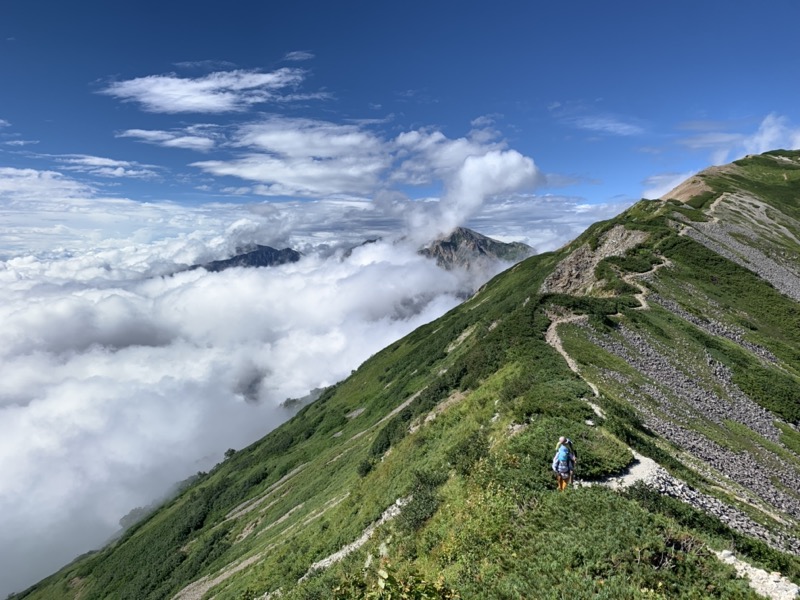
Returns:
(564, 458)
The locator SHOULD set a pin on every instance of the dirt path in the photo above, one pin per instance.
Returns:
(633, 279)
(552, 338)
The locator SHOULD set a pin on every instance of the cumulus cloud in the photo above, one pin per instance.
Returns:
(314, 158)
(773, 132)
(428, 155)
(218, 92)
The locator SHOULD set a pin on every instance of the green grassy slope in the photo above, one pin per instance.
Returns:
(459, 419)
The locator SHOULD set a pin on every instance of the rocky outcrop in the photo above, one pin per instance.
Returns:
(575, 274)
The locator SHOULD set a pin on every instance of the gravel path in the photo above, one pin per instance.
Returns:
(770, 585)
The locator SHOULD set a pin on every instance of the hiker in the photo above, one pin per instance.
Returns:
(564, 462)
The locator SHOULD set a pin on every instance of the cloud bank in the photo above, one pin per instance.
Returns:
(117, 386)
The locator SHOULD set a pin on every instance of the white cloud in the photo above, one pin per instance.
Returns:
(320, 159)
(106, 167)
(543, 222)
(773, 132)
(426, 156)
(4, 123)
(118, 385)
(303, 157)
(16, 184)
(219, 92)
(199, 138)
(606, 124)
(298, 55)
(21, 142)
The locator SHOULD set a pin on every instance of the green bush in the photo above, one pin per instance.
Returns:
(468, 451)
(424, 500)
(364, 467)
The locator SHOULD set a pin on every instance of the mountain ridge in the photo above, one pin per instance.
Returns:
(667, 334)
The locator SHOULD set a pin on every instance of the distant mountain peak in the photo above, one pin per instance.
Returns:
(466, 248)
(254, 256)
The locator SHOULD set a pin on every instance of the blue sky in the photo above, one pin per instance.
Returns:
(166, 101)
(139, 137)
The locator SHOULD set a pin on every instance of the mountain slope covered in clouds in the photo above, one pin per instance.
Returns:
(665, 338)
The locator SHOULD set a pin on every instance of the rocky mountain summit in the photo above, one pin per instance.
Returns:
(464, 248)
(663, 342)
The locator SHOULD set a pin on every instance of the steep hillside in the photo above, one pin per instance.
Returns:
(664, 342)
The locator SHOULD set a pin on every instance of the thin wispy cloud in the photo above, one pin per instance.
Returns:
(199, 137)
(4, 123)
(588, 116)
(774, 131)
(298, 55)
(219, 92)
(209, 65)
(708, 125)
(606, 125)
(21, 142)
(106, 167)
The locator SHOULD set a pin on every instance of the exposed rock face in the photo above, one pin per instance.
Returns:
(468, 249)
(261, 256)
(575, 274)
